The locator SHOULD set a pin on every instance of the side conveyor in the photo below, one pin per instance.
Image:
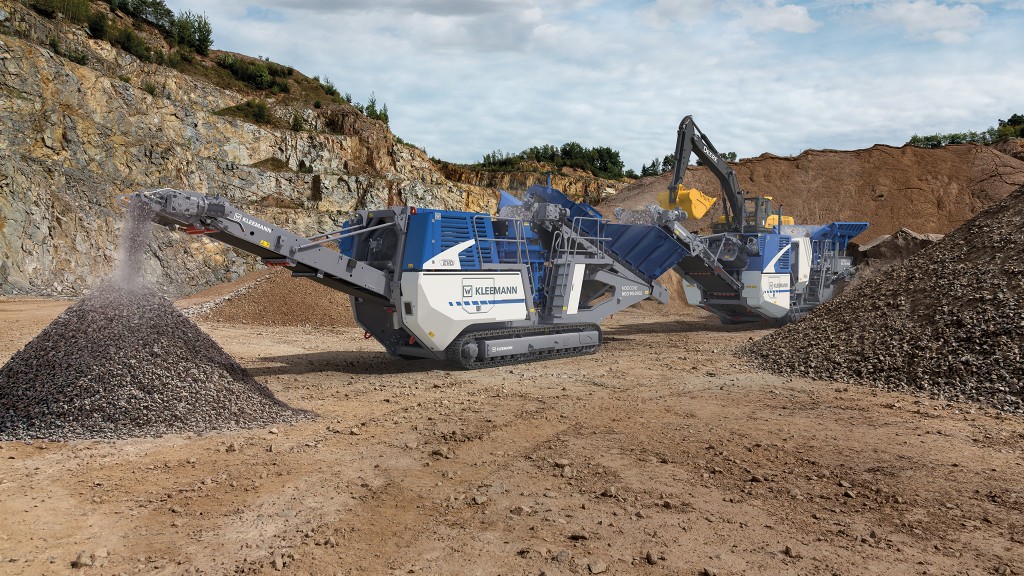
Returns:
(215, 217)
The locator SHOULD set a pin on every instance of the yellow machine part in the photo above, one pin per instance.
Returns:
(773, 220)
(692, 201)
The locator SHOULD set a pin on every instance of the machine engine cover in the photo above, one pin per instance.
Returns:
(437, 306)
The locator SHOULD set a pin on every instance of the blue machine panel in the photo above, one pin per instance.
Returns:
(347, 245)
(431, 232)
(840, 232)
(774, 255)
(649, 250)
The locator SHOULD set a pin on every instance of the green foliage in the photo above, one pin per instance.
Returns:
(601, 161)
(76, 11)
(131, 42)
(193, 31)
(668, 163)
(298, 125)
(1006, 129)
(149, 87)
(153, 11)
(630, 173)
(370, 109)
(653, 170)
(253, 110)
(97, 25)
(327, 86)
(260, 74)
(179, 57)
(501, 161)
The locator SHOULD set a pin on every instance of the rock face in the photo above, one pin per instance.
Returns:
(73, 138)
(947, 322)
(926, 190)
(578, 185)
(1011, 147)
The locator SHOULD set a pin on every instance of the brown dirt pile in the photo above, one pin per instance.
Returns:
(926, 190)
(278, 299)
(948, 322)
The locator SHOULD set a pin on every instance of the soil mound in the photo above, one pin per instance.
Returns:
(926, 190)
(948, 322)
(278, 299)
(896, 247)
(124, 362)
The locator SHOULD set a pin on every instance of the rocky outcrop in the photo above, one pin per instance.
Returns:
(927, 190)
(73, 138)
(580, 186)
(1011, 147)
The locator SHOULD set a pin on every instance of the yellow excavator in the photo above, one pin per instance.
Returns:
(740, 213)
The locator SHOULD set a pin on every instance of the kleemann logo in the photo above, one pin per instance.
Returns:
(494, 290)
(239, 218)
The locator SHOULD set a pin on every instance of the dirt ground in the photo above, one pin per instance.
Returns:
(661, 454)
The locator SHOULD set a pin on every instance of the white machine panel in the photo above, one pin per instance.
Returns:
(767, 293)
(438, 306)
(694, 294)
(575, 288)
(801, 262)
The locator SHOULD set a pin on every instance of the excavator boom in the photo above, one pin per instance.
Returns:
(690, 140)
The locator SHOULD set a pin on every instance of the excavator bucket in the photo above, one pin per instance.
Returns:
(690, 200)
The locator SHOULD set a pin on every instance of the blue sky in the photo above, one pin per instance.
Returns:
(466, 77)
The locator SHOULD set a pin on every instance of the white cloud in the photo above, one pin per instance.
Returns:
(463, 78)
(930, 20)
(663, 13)
(770, 16)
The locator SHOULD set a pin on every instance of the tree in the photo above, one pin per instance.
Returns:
(203, 35)
(98, 25)
(1012, 128)
(668, 163)
(194, 31)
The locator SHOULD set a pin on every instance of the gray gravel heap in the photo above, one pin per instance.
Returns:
(948, 322)
(124, 362)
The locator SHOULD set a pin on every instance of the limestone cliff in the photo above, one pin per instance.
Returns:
(74, 137)
(577, 184)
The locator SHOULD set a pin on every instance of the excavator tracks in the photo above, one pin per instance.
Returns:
(463, 352)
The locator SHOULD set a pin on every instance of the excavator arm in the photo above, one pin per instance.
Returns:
(691, 140)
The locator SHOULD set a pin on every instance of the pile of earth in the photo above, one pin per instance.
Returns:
(930, 191)
(124, 362)
(895, 247)
(948, 322)
(275, 298)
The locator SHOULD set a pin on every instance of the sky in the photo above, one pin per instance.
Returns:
(462, 78)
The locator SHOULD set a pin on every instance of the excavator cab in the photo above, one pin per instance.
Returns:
(758, 216)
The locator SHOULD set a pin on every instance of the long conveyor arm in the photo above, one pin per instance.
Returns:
(215, 217)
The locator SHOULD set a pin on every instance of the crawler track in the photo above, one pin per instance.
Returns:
(456, 358)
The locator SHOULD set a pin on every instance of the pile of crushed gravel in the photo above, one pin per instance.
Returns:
(948, 322)
(124, 362)
(278, 299)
